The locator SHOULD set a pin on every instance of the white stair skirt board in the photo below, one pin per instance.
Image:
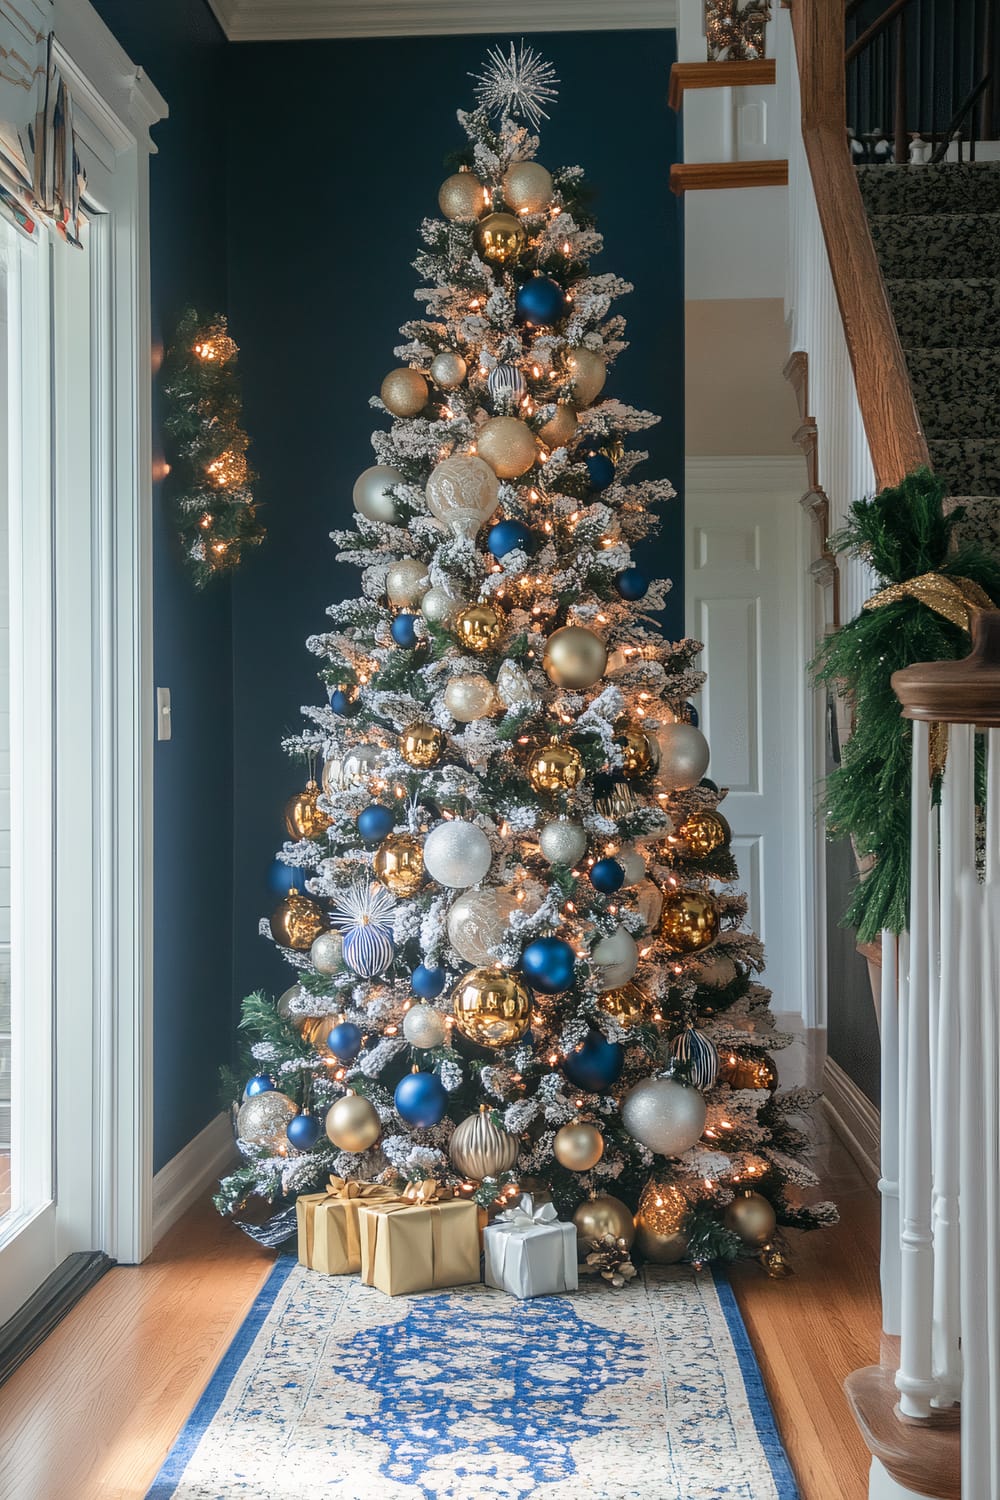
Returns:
(854, 1117)
(882, 1486)
(191, 1173)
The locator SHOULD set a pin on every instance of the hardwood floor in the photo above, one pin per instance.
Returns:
(91, 1415)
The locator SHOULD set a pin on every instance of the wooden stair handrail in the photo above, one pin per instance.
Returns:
(885, 397)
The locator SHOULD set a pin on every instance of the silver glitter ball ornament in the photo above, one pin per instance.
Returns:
(664, 1115)
(563, 842)
(284, 1005)
(448, 370)
(327, 953)
(406, 581)
(477, 921)
(457, 853)
(264, 1118)
(423, 1026)
(437, 606)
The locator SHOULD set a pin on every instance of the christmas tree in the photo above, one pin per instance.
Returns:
(519, 952)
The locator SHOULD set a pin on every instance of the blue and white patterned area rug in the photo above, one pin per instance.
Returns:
(332, 1389)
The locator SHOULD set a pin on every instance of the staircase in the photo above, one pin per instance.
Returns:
(936, 231)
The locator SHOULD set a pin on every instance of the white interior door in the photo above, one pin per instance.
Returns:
(744, 600)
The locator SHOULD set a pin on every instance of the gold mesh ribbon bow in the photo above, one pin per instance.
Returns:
(346, 1187)
(419, 1194)
(955, 599)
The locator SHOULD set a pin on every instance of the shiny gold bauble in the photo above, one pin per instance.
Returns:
(477, 627)
(575, 657)
(296, 922)
(527, 187)
(557, 431)
(634, 746)
(703, 832)
(500, 238)
(627, 1004)
(399, 863)
(661, 1212)
(690, 920)
(303, 818)
(588, 372)
(263, 1118)
(404, 392)
(597, 1217)
(555, 768)
(479, 1148)
(746, 1071)
(422, 745)
(508, 445)
(462, 197)
(578, 1146)
(491, 1008)
(751, 1216)
(314, 1031)
(352, 1124)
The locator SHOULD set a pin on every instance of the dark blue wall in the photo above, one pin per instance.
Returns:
(336, 153)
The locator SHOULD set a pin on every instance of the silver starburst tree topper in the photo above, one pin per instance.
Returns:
(520, 84)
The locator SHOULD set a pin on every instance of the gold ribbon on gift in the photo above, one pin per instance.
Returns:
(399, 1256)
(418, 1194)
(340, 1251)
(955, 599)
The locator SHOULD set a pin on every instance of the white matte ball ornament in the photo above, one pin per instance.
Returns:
(462, 493)
(423, 1026)
(527, 187)
(406, 582)
(437, 606)
(371, 497)
(477, 921)
(684, 756)
(632, 863)
(574, 657)
(457, 854)
(327, 953)
(448, 370)
(469, 697)
(563, 842)
(664, 1115)
(617, 957)
(588, 372)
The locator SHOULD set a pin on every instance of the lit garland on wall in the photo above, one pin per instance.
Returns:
(211, 482)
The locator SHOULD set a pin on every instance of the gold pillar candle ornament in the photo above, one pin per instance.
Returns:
(658, 1223)
(751, 1216)
(560, 427)
(297, 922)
(575, 658)
(462, 198)
(596, 1217)
(404, 392)
(399, 863)
(480, 1148)
(634, 747)
(578, 1146)
(703, 832)
(448, 370)
(303, 819)
(587, 372)
(690, 920)
(422, 745)
(500, 238)
(491, 1008)
(352, 1123)
(555, 767)
(263, 1119)
(527, 187)
(627, 1004)
(477, 627)
(508, 445)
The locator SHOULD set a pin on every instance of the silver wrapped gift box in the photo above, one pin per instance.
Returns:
(529, 1252)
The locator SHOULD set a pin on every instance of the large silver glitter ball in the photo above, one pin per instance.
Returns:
(448, 369)
(477, 921)
(406, 582)
(264, 1118)
(327, 953)
(437, 606)
(457, 854)
(423, 1026)
(664, 1115)
(563, 842)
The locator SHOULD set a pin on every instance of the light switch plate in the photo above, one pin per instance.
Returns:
(162, 713)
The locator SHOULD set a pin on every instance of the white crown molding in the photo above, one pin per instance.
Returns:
(303, 20)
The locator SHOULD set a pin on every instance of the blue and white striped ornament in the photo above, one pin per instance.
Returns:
(506, 384)
(695, 1049)
(364, 914)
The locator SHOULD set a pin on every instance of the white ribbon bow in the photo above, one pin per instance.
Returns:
(525, 1214)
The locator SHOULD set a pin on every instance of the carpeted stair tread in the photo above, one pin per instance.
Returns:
(922, 246)
(981, 521)
(954, 390)
(946, 189)
(969, 466)
(946, 313)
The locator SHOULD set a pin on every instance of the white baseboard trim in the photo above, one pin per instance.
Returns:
(191, 1173)
(854, 1117)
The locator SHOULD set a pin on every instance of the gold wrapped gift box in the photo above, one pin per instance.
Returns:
(420, 1244)
(329, 1238)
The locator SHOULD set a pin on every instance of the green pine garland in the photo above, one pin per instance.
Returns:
(902, 533)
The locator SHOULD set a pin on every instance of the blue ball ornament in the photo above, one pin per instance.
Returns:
(404, 630)
(344, 1040)
(596, 1064)
(691, 714)
(375, 822)
(540, 300)
(548, 964)
(708, 784)
(303, 1132)
(632, 583)
(607, 876)
(281, 878)
(510, 536)
(420, 1099)
(601, 470)
(428, 983)
(258, 1084)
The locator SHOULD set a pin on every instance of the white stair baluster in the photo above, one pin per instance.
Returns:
(888, 1184)
(976, 1479)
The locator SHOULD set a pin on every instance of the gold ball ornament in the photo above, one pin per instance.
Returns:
(597, 1217)
(634, 747)
(470, 696)
(508, 445)
(560, 427)
(399, 864)
(477, 627)
(751, 1216)
(555, 768)
(352, 1124)
(575, 657)
(422, 745)
(406, 582)
(690, 920)
(480, 1148)
(661, 1212)
(297, 922)
(448, 370)
(303, 818)
(500, 238)
(404, 392)
(703, 832)
(527, 187)
(627, 1004)
(578, 1146)
(588, 372)
(263, 1118)
(491, 1008)
(462, 197)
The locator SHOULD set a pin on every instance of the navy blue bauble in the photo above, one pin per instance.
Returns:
(258, 1084)
(548, 964)
(303, 1132)
(540, 300)
(421, 1099)
(601, 470)
(691, 714)
(607, 876)
(632, 583)
(428, 983)
(596, 1064)
(404, 630)
(510, 536)
(342, 704)
(375, 822)
(708, 784)
(344, 1040)
(281, 878)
